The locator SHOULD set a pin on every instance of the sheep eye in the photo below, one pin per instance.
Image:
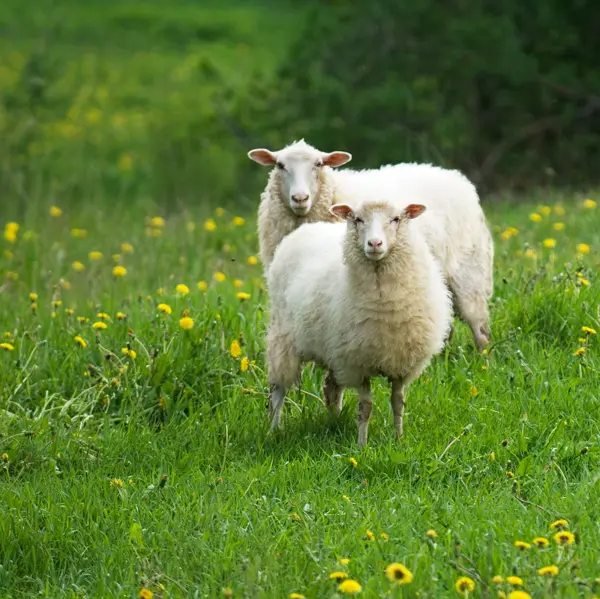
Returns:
(359, 220)
(280, 166)
(396, 219)
(318, 164)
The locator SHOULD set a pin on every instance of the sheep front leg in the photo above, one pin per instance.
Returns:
(276, 399)
(333, 395)
(398, 404)
(365, 406)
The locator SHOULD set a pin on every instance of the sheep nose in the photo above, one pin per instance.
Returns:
(375, 243)
(300, 198)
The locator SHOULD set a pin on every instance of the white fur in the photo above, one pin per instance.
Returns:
(454, 225)
(333, 303)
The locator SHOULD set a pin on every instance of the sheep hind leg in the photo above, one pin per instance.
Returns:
(365, 406)
(473, 309)
(398, 402)
(276, 400)
(333, 395)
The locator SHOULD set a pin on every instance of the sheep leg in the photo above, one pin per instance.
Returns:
(398, 403)
(365, 406)
(333, 395)
(473, 309)
(276, 399)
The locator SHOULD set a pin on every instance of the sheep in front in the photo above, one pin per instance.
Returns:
(363, 298)
(303, 186)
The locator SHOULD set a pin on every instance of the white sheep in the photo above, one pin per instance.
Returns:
(303, 186)
(363, 299)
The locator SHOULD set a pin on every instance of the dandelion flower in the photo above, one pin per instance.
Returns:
(164, 308)
(252, 261)
(244, 364)
(242, 295)
(535, 217)
(121, 316)
(338, 576)
(146, 594)
(344, 561)
(559, 524)
(564, 537)
(4, 456)
(558, 226)
(549, 243)
(384, 536)
(370, 535)
(10, 233)
(99, 326)
(157, 221)
(548, 571)
(545, 210)
(7, 346)
(55, 211)
(510, 474)
(350, 587)
(103, 316)
(210, 224)
(219, 276)
(219, 211)
(515, 581)
(541, 542)
(202, 285)
(584, 282)
(508, 233)
(79, 233)
(399, 573)
(130, 353)
(186, 323)
(33, 297)
(431, 534)
(126, 248)
(116, 482)
(588, 330)
(238, 221)
(522, 545)
(589, 203)
(559, 210)
(95, 256)
(81, 341)
(519, 595)
(295, 517)
(473, 391)
(583, 248)
(497, 579)
(579, 352)
(235, 350)
(182, 289)
(297, 596)
(353, 462)
(119, 271)
(465, 585)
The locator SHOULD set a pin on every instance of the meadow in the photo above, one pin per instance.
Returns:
(135, 459)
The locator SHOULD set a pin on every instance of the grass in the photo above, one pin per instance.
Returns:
(157, 472)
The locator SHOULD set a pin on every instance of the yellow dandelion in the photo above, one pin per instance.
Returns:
(549, 243)
(164, 308)
(535, 217)
(548, 571)
(545, 210)
(7, 346)
(238, 283)
(492, 456)
(99, 326)
(589, 203)
(519, 595)
(121, 316)
(583, 248)
(473, 392)
(559, 210)
(219, 276)
(146, 594)
(182, 289)
(353, 462)
(295, 517)
(235, 350)
(465, 585)
(530, 253)
(515, 581)
(219, 211)
(497, 579)
(10, 234)
(297, 596)
(579, 352)
(103, 316)
(238, 221)
(510, 474)
(584, 282)
(130, 353)
(78, 266)
(242, 295)
(244, 364)
(541, 542)
(126, 248)
(186, 323)
(384, 536)
(202, 285)
(64, 284)
(558, 226)
(350, 587)
(508, 233)
(81, 341)
(210, 224)
(338, 576)
(252, 260)
(344, 561)
(522, 545)
(588, 330)
(157, 221)
(564, 537)
(399, 573)
(116, 482)
(370, 535)
(82, 319)
(119, 271)
(431, 534)
(33, 297)
(55, 211)
(79, 233)
(4, 457)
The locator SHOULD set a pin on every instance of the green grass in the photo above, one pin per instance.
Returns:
(269, 515)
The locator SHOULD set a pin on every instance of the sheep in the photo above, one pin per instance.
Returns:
(303, 187)
(363, 299)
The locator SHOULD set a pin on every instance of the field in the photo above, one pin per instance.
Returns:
(135, 459)
(135, 453)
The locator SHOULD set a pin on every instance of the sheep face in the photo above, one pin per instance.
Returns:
(376, 228)
(299, 167)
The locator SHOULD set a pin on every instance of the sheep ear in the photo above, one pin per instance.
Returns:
(336, 158)
(414, 210)
(341, 211)
(262, 156)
